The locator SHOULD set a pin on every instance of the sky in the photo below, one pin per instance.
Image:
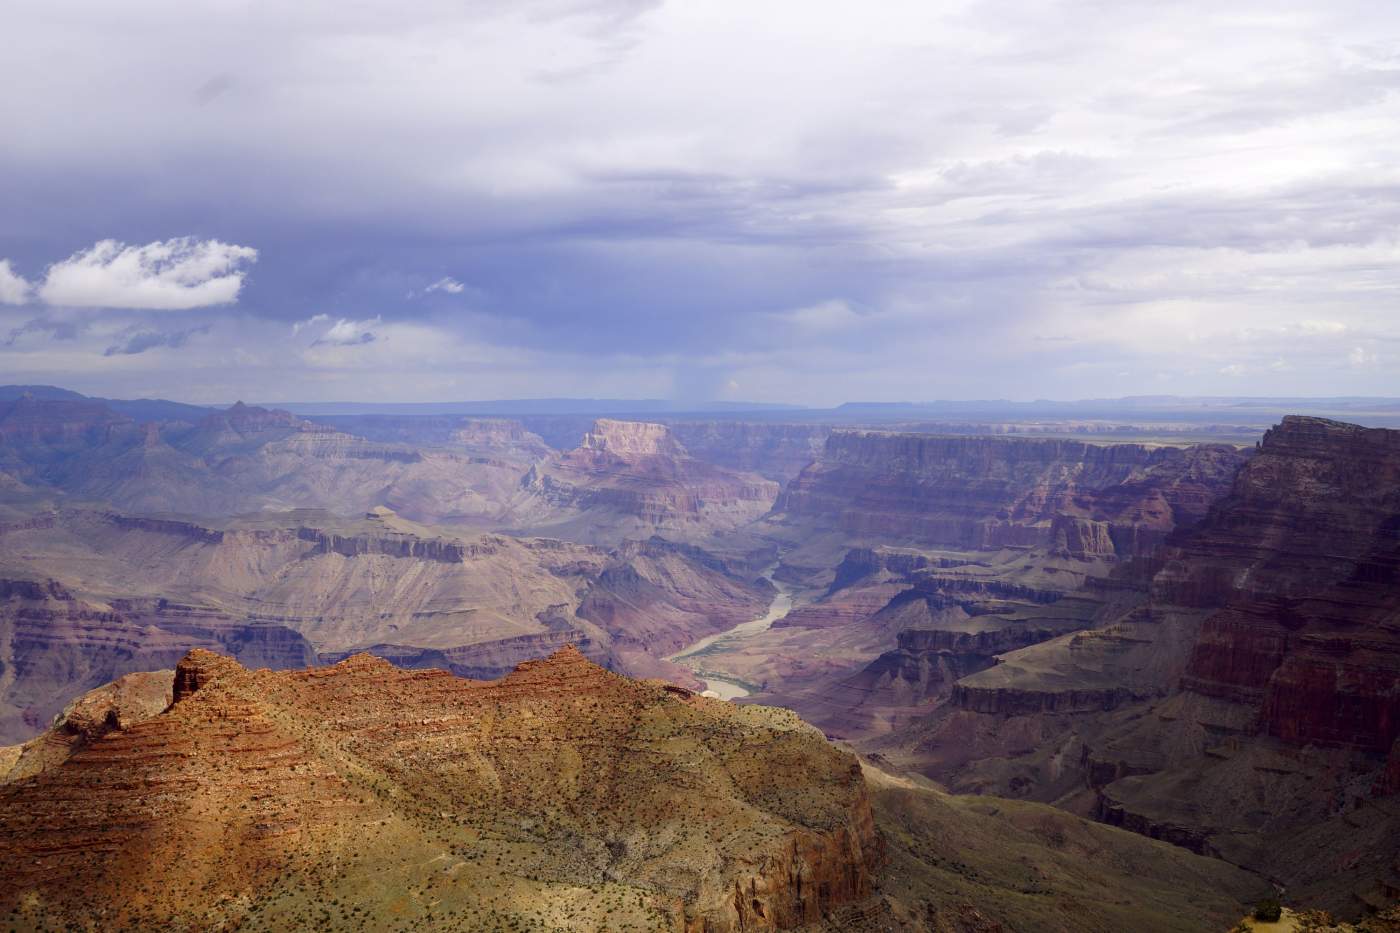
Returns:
(804, 202)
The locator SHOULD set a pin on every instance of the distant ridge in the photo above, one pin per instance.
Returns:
(1253, 412)
(139, 409)
(529, 406)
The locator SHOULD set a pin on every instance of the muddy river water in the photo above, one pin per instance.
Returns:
(694, 656)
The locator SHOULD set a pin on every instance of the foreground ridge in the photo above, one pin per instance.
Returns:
(362, 795)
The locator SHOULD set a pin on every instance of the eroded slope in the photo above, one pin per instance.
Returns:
(561, 794)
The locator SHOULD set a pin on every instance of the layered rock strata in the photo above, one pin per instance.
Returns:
(1084, 500)
(1249, 702)
(632, 479)
(558, 795)
(248, 458)
(284, 590)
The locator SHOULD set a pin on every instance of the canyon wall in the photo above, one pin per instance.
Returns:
(983, 546)
(1247, 701)
(248, 458)
(1087, 500)
(133, 592)
(55, 646)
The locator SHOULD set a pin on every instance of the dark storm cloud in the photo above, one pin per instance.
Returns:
(688, 198)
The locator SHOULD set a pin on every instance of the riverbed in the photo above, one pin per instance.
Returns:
(693, 655)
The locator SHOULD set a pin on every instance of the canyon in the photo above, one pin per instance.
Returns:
(96, 594)
(1172, 646)
(1244, 704)
(923, 558)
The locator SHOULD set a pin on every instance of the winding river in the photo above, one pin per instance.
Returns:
(693, 656)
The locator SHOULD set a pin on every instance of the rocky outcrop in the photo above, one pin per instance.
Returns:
(196, 669)
(1193, 838)
(634, 479)
(1084, 500)
(119, 705)
(980, 644)
(628, 440)
(370, 785)
(34, 590)
(162, 526)
(860, 563)
(244, 420)
(400, 545)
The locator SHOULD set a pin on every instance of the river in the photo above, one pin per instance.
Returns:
(692, 656)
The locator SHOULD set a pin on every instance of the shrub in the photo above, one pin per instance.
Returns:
(1268, 910)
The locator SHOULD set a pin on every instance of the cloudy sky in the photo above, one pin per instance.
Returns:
(806, 201)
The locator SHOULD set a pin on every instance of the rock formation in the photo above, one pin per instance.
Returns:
(284, 590)
(561, 794)
(1248, 702)
(631, 479)
(560, 797)
(248, 458)
(1087, 500)
(119, 705)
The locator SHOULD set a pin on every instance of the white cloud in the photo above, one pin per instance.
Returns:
(1327, 328)
(1361, 358)
(309, 322)
(824, 318)
(1162, 188)
(447, 284)
(169, 275)
(14, 290)
(345, 333)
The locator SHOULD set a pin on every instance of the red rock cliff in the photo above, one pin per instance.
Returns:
(1305, 553)
(988, 492)
(559, 789)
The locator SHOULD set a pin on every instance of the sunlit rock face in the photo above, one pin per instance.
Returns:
(559, 789)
